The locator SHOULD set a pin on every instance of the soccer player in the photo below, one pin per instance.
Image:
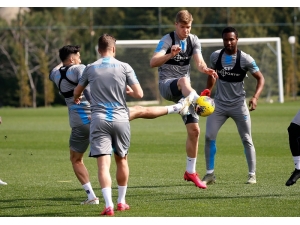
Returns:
(110, 80)
(172, 57)
(2, 182)
(66, 77)
(110, 126)
(232, 66)
(294, 137)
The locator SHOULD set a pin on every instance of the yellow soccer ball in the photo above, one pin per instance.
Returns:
(205, 106)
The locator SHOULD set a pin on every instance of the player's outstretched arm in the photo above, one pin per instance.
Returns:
(202, 67)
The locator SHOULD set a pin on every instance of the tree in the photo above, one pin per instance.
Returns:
(30, 39)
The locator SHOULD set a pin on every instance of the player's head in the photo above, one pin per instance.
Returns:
(183, 23)
(106, 43)
(69, 54)
(230, 30)
(230, 38)
(183, 16)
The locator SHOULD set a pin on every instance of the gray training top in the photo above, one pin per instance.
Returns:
(168, 71)
(231, 93)
(110, 76)
(78, 114)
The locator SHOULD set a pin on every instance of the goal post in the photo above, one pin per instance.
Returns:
(266, 52)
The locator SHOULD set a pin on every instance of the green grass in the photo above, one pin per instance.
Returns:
(34, 161)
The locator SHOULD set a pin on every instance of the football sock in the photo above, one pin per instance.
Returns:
(195, 96)
(89, 191)
(174, 108)
(209, 171)
(297, 162)
(191, 165)
(107, 197)
(121, 194)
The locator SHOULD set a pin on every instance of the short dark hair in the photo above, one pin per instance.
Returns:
(229, 30)
(106, 41)
(67, 50)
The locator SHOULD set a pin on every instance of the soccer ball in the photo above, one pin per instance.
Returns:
(204, 106)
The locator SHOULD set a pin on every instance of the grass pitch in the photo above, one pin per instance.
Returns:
(34, 161)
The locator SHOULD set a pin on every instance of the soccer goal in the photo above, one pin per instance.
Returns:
(265, 51)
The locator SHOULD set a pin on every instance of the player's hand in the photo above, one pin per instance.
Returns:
(252, 104)
(205, 92)
(211, 72)
(175, 49)
(78, 100)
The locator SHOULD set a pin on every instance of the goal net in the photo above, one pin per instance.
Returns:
(265, 51)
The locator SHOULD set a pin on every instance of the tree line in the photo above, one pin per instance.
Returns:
(29, 43)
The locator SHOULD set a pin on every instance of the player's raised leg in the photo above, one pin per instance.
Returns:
(152, 112)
